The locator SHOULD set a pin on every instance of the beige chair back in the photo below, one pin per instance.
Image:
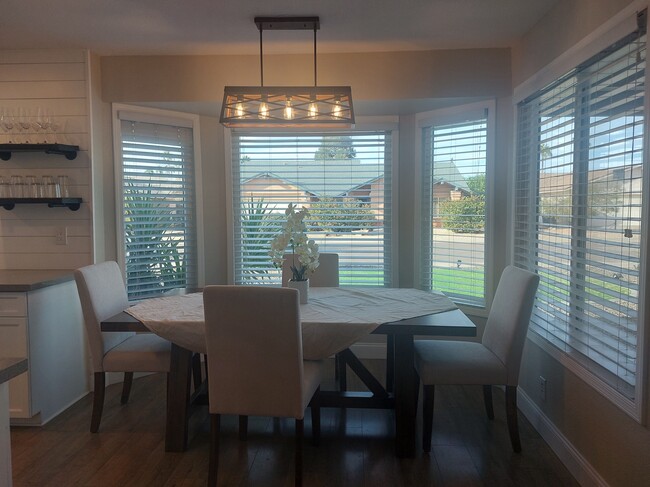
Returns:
(507, 323)
(326, 275)
(254, 345)
(102, 295)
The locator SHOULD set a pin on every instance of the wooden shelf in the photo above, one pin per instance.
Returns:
(69, 151)
(71, 203)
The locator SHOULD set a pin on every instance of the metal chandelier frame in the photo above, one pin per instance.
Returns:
(287, 106)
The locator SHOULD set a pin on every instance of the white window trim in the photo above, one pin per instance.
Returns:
(154, 115)
(617, 27)
(363, 124)
(443, 116)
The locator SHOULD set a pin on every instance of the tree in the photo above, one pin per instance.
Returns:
(476, 185)
(336, 147)
(466, 215)
(336, 215)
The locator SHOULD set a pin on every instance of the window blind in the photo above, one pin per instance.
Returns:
(578, 204)
(344, 179)
(158, 208)
(453, 209)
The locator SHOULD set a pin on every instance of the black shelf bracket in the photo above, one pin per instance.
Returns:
(69, 151)
(71, 203)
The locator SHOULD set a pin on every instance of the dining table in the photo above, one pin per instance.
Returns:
(332, 321)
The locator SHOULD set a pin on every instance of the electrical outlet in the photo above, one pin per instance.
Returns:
(61, 234)
(542, 388)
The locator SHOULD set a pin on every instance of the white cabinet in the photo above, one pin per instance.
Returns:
(44, 325)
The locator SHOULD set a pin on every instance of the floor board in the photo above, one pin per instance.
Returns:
(356, 447)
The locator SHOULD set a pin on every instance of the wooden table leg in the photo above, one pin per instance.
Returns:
(178, 399)
(406, 393)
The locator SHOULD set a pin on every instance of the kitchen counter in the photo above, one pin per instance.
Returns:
(11, 367)
(25, 280)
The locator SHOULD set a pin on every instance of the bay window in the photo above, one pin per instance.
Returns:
(455, 149)
(156, 203)
(343, 178)
(578, 211)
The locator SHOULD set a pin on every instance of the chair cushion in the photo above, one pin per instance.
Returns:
(144, 352)
(456, 362)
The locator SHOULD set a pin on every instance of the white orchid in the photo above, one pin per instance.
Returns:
(294, 234)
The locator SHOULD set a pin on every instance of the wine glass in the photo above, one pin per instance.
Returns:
(55, 125)
(42, 122)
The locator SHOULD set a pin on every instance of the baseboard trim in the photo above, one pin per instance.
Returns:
(572, 459)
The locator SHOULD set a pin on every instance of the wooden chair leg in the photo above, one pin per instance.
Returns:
(196, 370)
(205, 367)
(390, 363)
(428, 394)
(487, 399)
(336, 368)
(215, 421)
(315, 418)
(126, 387)
(300, 424)
(98, 401)
(243, 427)
(511, 414)
(342, 369)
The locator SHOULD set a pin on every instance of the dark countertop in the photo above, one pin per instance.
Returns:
(23, 280)
(11, 367)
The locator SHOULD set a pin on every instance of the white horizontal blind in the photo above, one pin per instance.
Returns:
(454, 217)
(344, 179)
(158, 208)
(578, 206)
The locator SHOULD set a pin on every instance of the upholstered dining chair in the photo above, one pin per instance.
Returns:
(102, 295)
(326, 275)
(494, 361)
(255, 362)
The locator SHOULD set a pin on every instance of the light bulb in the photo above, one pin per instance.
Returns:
(264, 110)
(313, 109)
(288, 110)
(239, 109)
(336, 110)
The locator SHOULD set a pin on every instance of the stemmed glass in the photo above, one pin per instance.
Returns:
(7, 123)
(24, 124)
(55, 125)
(42, 123)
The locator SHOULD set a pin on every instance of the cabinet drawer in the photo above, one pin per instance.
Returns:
(13, 337)
(13, 304)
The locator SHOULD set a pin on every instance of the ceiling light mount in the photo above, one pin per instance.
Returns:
(288, 106)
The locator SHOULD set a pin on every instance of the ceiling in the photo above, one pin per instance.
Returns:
(226, 26)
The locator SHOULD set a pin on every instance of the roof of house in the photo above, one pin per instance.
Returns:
(447, 172)
(340, 177)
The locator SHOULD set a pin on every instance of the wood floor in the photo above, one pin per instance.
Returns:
(356, 448)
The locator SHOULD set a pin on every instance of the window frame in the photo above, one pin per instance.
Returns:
(163, 117)
(612, 31)
(451, 115)
(364, 124)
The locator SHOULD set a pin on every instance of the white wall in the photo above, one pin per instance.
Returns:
(56, 82)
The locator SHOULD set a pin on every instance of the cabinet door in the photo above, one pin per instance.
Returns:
(13, 343)
(13, 304)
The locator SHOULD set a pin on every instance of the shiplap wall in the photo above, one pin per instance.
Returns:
(55, 81)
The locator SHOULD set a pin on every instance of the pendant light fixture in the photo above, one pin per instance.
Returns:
(287, 106)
